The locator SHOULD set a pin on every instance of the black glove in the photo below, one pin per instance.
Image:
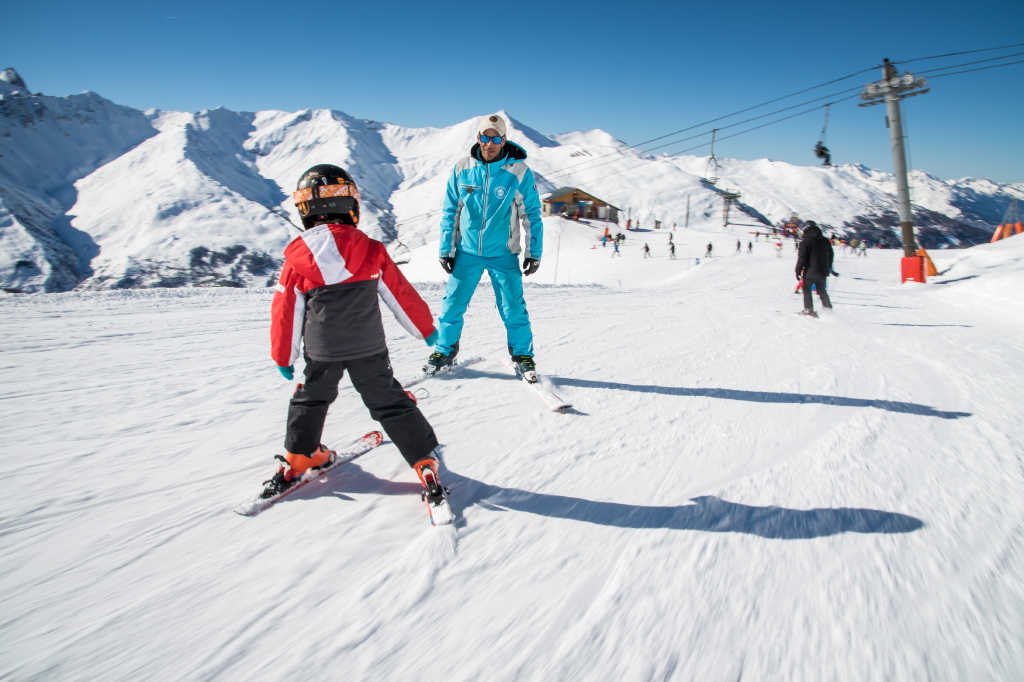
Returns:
(447, 263)
(835, 274)
(530, 266)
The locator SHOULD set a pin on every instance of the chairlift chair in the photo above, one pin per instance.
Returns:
(712, 164)
(820, 150)
(401, 254)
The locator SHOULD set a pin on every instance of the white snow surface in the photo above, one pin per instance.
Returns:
(739, 493)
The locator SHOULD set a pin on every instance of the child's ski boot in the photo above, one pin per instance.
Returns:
(434, 494)
(292, 468)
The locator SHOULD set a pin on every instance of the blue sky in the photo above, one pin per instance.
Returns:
(636, 69)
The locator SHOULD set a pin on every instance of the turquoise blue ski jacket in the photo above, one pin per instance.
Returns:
(492, 209)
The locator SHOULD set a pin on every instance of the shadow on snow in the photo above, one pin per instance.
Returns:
(707, 513)
(766, 397)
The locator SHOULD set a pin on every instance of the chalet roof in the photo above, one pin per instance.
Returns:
(566, 190)
(560, 191)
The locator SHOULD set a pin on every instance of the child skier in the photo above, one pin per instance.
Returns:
(327, 299)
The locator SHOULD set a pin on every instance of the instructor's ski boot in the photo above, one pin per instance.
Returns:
(525, 368)
(808, 312)
(438, 362)
(292, 468)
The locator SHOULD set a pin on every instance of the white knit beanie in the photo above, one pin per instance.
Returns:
(492, 121)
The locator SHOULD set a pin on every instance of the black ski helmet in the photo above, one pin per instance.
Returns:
(326, 193)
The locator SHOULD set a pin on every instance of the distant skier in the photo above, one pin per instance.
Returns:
(671, 251)
(647, 251)
(616, 251)
(326, 300)
(707, 254)
(739, 247)
(495, 179)
(750, 247)
(814, 265)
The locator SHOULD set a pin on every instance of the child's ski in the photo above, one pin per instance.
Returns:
(438, 506)
(259, 503)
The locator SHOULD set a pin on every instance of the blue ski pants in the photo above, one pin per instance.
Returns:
(507, 282)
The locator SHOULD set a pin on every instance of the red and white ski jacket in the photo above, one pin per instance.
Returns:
(327, 295)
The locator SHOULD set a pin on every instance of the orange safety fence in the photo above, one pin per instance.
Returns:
(930, 268)
(1007, 230)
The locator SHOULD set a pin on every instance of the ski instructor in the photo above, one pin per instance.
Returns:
(491, 214)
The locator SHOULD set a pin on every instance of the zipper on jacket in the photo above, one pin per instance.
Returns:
(483, 218)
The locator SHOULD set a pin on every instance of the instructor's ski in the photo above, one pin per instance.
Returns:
(550, 400)
(255, 505)
(422, 376)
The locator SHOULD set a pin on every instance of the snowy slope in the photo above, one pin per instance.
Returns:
(98, 196)
(741, 493)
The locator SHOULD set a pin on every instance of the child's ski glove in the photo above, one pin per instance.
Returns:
(287, 372)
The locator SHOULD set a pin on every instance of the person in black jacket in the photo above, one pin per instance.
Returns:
(813, 266)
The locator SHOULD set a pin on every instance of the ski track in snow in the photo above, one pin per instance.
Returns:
(739, 492)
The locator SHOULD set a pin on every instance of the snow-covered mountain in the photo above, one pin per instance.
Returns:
(94, 195)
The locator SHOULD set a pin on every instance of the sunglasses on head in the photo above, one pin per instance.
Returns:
(497, 139)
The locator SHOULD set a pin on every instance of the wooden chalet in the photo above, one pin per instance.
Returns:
(572, 201)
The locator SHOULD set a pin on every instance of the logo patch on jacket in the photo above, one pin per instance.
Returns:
(499, 192)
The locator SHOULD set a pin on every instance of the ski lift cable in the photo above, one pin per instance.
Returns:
(954, 54)
(731, 125)
(772, 101)
(980, 68)
(715, 120)
(736, 134)
(980, 61)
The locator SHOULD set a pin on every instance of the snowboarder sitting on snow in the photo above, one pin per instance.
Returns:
(491, 213)
(326, 299)
(813, 265)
